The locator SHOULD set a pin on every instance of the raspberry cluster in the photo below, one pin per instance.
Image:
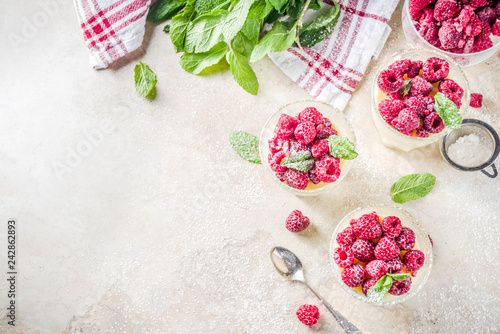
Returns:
(458, 26)
(411, 110)
(371, 247)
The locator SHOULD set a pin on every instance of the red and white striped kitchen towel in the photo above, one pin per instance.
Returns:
(111, 28)
(331, 70)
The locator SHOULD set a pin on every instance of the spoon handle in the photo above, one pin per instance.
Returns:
(346, 325)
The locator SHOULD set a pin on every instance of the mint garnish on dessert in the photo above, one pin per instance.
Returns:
(341, 147)
(406, 87)
(412, 187)
(448, 111)
(377, 292)
(246, 145)
(145, 79)
(301, 161)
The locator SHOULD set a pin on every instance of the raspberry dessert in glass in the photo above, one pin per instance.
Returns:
(375, 241)
(294, 147)
(404, 93)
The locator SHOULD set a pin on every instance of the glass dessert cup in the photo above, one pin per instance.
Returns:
(339, 123)
(422, 243)
(393, 138)
(417, 41)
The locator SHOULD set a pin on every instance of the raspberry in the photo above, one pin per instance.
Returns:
(280, 176)
(275, 144)
(286, 126)
(313, 177)
(389, 109)
(376, 269)
(328, 169)
(400, 67)
(391, 226)
(363, 250)
(478, 3)
(449, 86)
(485, 30)
(487, 14)
(435, 69)
(399, 288)
(296, 179)
(420, 105)
(395, 96)
(367, 284)
(353, 275)
(389, 81)
(296, 146)
(455, 98)
(406, 239)
(308, 314)
(367, 226)
(406, 121)
(305, 132)
(346, 237)
(275, 160)
(421, 132)
(386, 249)
(416, 7)
(327, 122)
(415, 68)
(430, 32)
(319, 148)
(324, 131)
(297, 222)
(465, 15)
(427, 16)
(433, 123)
(449, 36)
(446, 9)
(343, 256)
(414, 260)
(420, 87)
(476, 100)
(395, 265)
(495, 28)
(312, 115)
(481, 44)
(474, 27)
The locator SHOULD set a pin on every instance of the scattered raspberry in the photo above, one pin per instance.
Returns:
(328, 169)
(449, 86)
(296, 179)
(305, 132)
(446, 9)
(367, 226)
(386, 249)
(353, 276)
(395, 265)
(297, 222)
(420, 105)
(286, 127)
(363, 250)
(435, 69)
(487, 14)
(421, 132)
(476, 100)
(495, 28)
(416, 8)
(389, 109)
(406, 121)
(414, 260)
(376, 269)
(368, 284)
(420, 87)
(478, 3)
(391, 226)
(346, 237)
(433, 123)
(449, 36)
(399, 288)
(275, 160)
(406, 239)
(400, 67)
(430, 32)
(319, 148)
(308, 314)
(389, 81)
(312, 115)
(415, 68)
(343, 256)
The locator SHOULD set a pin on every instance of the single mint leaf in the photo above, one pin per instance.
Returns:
(246, 145)
(145, 79)
(279, 5)
(179, 25)
(205, 6)
(196, 62)
(242, 44)
(276, 40)
(166, 28)
(448, 111)
(406, 87)
(379, 289)
(301, 161)
(294, 8)
(412, 187)
(205, 31)
(260, 9)
(320, 28)
(242, 72)
(399, 277)
(236, 18)
(251, 29)
(163, 10)
(341, 147)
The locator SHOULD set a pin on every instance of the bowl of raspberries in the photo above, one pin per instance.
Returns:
(381, 254)
(466, 30)
(307, 147)
(413, 94)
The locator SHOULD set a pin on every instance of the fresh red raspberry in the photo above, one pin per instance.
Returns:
(430, 32)
(296, 146)
(319, 148)
(495, 28)
(427, 16)
(343, 256)
(400, 67)
(296, 179)
(353, 275)
(328, 170)
(280, 176)
(476, 100)
(414, 260)
(286, 127)
(449, 86)
(415, 68)
(435, 69)
(478, 3)
(389, 81)
(389, 109)
(297, 222)
(455, 98)
(420, 105)
(474, 27)
(367, 284)
(391, 226)
(406, 121)
(421, 132)
(305, 132)
(367, 226)
(312, 115)
(482, 43)
(326, 122)
(485, 30)
(395, 265)
(275, 144)
(346, 237)
(449, 36)
(386, 249)
(275, 160)
(420, 87)
(433, 123)
(395, 96)
(416, 8)
(313, 177)
(376, 269)
(406, 239)
(363, 250)
(399, 288)
(308, 314)
(487, 14)
(446, 9)
(324, 131)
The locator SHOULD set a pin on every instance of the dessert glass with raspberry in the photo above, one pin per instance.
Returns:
(404, 92)
(304, 126)
(467, 32)
(373, 241)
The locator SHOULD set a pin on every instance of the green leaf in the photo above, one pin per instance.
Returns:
(272, 16)
(301, 161)
(179, 25)
(276, 40)
(242, 44)
(399, 277)
(412, 187)
(205, 31)
(406, 87)
(341, 147)
(163, 10)
(196, 62)
(448, 111)
(379, 289)
(260, 9)
(246, 145)
(242, 72)
(251, 29)
(166, 28)
(279, 5)
(320, 27)
(294, 8)
(236, 18)
(145, 79)
(206, 6)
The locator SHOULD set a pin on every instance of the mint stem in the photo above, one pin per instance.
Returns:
(301, 18)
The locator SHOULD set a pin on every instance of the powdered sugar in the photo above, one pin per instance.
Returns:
(469, 151)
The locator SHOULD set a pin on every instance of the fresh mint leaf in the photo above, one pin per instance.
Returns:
(406, 87)
(377, 292)
(341, 147)
(251, 29)
(399, 277)
(412, 187)
(276, 40)
(163, 10)
(242, 72)
(448, 111)
(279, 5)
(242, 44)
(206, 6)
(320, 27)
(205, 31)
(301, 161)
(179, 25)
(236, 18)
(145, 79)
(196, 62)
(260, 9)
(246, 145)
